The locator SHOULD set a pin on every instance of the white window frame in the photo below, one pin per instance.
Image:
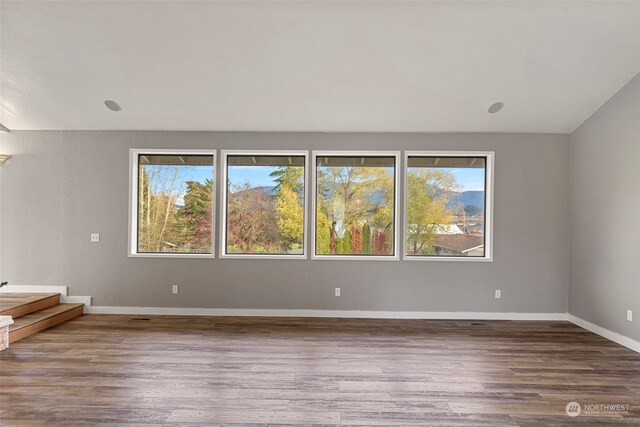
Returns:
(488, 216)
(134, 155)
(223, 216)
(396, 210)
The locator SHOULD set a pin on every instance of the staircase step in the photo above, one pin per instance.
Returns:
(18, 304)
(31, 323)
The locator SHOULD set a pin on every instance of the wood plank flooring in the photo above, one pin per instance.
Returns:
(19, 304)
(160, 370)
(40, 320)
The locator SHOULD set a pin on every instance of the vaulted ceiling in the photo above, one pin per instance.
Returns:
(313, 66)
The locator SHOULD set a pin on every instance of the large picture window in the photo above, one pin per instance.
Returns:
(448, 205)
(172, 203)
(355, 205)
(264, 204)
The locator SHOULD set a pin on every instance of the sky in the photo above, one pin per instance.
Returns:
(185, 174)
(257, 176)
(470, 179)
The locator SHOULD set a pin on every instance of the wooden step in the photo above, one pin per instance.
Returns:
(34, 322)
(18, 304)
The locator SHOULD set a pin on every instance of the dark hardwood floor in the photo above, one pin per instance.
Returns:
(126, 370)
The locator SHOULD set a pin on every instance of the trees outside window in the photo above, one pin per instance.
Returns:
(448, 204)
(174, 203)
(265, 204)
(355, 205)
(447, 207)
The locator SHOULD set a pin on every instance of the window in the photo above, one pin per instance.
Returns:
(448, 205)
(264, 204)
(355, 205)
(172, 200)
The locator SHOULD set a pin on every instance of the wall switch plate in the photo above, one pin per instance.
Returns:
(174, 289)
(95, 237)
(337, 292)
(630, 315)
(498, 293)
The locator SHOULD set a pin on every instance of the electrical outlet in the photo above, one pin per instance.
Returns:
(630, 315)
(337, 292)
(95, 237)
(174, 289)
(498, 293)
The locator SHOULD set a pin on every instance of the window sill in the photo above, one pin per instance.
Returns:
(354, 258)
(260, 256)
(446, 258)
(173, 255)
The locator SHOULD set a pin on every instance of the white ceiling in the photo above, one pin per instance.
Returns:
(313, 66)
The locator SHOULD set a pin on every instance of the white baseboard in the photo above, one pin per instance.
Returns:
(28, 289)
(357, 314)
(606, 333)
(452, 315)
(62, 290)
(76, 300)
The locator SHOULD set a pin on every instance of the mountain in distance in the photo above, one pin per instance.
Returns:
(268, 190)
(467, 198)
(457, 201)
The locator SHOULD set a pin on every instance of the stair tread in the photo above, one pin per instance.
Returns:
(38, 316)
(11, 301)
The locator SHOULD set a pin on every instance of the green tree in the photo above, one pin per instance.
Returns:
(383, 216)
(194, 216)
(346, 242)
(349, 196)
(291, 177)
(324, 234)
(366, 238)
(429, 191)
(289, 205)
(290, 214)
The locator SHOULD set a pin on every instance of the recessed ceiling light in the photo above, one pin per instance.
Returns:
(112, 105)
(4, 129)
(495, 108)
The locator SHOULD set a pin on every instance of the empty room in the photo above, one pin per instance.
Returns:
(407, 213)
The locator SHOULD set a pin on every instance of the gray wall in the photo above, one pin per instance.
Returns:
(605, 214)
(61, 186)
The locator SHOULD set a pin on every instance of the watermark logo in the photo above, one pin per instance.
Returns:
(573, 409)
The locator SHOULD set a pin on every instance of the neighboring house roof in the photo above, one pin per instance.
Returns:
(459, 242)
(446, 229)
(472, 228)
